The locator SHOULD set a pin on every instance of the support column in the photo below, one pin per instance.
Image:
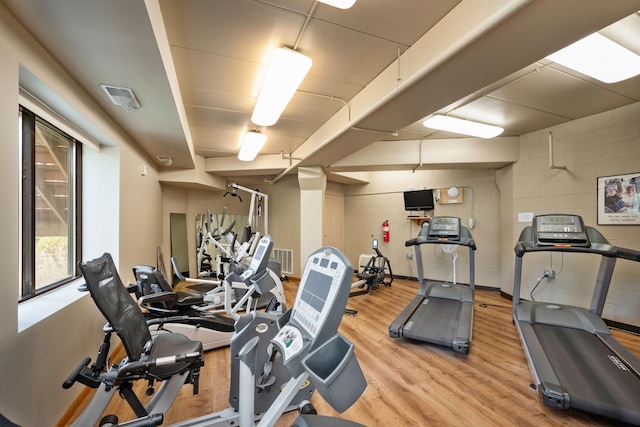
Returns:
(313, 183)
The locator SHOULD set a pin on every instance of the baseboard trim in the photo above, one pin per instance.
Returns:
(632, 329)
(77, 403)
(65, 419)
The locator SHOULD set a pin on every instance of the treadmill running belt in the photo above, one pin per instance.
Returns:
(434, 321)
(594, 378)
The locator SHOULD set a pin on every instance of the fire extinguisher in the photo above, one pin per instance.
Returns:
(385, 230)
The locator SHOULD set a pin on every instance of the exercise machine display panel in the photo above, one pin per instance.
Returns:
(550, 230)
(260, 258)
(447, 227)
(314, 301)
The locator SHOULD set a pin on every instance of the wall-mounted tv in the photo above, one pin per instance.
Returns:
(418, 200)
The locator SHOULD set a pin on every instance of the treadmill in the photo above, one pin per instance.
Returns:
(573, 358)
(440, 313)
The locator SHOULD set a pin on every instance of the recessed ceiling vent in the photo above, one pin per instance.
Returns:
(122, 96)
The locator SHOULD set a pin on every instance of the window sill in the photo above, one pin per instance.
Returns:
(36, 309)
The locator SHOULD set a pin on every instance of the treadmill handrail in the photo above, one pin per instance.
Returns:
(599, 245)
(463, 241)
(629, 254)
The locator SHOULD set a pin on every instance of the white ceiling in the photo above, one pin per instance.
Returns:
(378, 70)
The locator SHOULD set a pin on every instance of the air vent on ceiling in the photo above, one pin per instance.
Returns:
(122, 96)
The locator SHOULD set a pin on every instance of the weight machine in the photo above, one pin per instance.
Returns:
(225, 240)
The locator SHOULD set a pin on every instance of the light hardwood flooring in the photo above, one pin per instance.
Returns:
(412, 383)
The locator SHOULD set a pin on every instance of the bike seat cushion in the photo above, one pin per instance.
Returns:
(168, 344)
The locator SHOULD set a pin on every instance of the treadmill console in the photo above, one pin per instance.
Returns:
(444, 228)
(559, 230)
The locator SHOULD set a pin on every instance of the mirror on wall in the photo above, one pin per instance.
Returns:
(179, 241)
(216, 237)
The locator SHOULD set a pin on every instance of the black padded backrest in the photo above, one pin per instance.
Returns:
(115, 303)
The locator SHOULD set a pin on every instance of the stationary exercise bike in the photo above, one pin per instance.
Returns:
(169, 359)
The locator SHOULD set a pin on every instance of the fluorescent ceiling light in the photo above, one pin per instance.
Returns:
(465, 127)
(340, 4)
(600, 58)
(286, 71)
(252, 143)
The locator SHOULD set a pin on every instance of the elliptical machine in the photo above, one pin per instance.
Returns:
(376, 272)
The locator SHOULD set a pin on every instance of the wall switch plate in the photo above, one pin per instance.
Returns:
(525, 217)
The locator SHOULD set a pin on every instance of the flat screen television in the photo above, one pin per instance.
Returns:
(418, 200)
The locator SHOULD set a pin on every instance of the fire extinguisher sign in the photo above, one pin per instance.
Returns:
(385, 230)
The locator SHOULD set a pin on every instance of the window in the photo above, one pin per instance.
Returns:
(51, 171)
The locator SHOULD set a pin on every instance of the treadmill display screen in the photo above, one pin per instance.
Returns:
(444, 227)
(559, 230)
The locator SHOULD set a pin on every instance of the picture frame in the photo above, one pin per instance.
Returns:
(619, 199)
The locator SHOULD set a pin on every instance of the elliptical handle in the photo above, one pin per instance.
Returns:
(176, 269)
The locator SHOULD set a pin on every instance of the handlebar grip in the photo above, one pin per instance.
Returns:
(74, 375)
(415, 241)
(629, 254)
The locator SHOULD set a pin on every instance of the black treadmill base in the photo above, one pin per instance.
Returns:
(594, 378)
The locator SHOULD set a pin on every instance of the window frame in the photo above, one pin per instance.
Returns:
(28, 288)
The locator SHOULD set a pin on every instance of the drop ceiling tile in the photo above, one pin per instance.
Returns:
(558, 93)
(241, 29)
(513, 117)
(405, 22)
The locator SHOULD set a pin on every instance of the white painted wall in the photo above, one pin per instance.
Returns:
(120, 216)
(601, 145)
(367, 206)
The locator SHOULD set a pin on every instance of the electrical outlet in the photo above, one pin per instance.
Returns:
(409, 255)
(550, 274)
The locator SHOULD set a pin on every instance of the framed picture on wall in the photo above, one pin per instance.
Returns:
(619, 199)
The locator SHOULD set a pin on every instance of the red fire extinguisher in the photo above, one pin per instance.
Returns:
(385, 230)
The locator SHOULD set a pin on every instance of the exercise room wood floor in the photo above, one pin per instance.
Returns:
(412, 383)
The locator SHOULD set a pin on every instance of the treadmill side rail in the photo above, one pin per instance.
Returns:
(553, 395)
(462, 339)
(396, 328)
(544, 376)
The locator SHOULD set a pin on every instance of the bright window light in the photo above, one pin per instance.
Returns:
(340, 4)
(286, 71)
(600, 58)
(252, 143)
(465, 127)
